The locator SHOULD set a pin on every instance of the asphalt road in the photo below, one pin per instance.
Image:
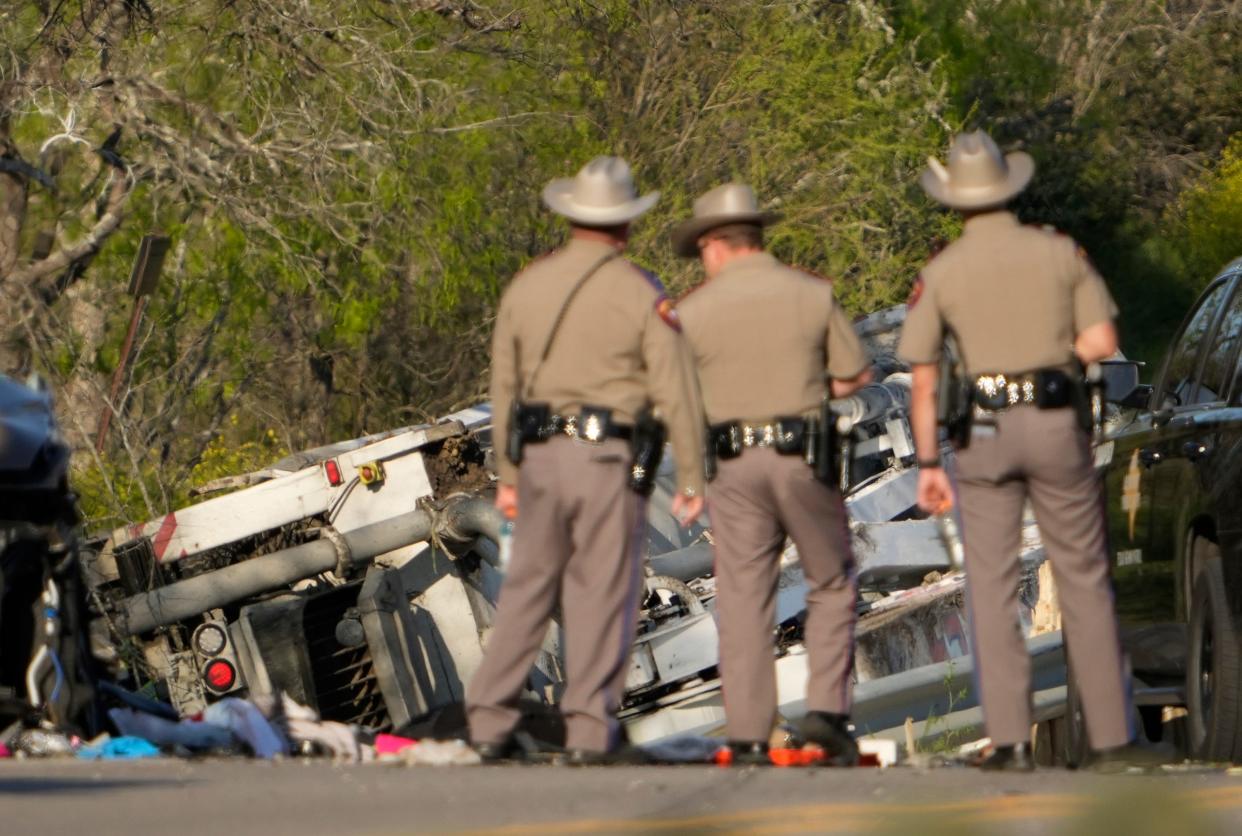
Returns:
(240, 797)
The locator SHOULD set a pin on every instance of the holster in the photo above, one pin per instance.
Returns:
(725, 440)
(1088, 402)
(710, 462)
(526, 422)
(646, 451)
(954, 408)
(821, 446)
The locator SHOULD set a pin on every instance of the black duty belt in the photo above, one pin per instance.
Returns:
(787, 435)
(534, 423)
(589, 425)
(1044, 389)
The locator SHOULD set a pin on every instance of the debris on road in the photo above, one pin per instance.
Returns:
(119, 749)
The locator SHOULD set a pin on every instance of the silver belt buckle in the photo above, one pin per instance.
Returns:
(994, 393)
(758, 435)
(594, 430)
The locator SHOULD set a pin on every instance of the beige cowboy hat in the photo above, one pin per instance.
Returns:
(977, 176)
(732, 203)
(602, 194)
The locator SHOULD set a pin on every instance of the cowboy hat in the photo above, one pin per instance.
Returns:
(732, 203)
(977, 175)
(602, 194)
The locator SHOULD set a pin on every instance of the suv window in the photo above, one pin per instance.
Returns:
(1178, 382)
(1217, 367)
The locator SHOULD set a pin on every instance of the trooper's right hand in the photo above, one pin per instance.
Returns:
(687, 509)
(935, 491)
(506, 501)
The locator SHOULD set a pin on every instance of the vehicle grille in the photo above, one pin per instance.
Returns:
(346, 687)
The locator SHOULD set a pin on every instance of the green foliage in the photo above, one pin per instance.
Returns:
(945, 742)
(1207, 217)
(349, 186)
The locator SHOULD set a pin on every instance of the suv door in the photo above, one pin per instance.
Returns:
(1220, 464)
(1192, 386)
(1143, 571)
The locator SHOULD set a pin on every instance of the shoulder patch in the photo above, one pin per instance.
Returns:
(667, 311)
(916, 291)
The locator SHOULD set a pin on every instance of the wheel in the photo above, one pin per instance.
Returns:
(1074, 746)
(1212, 667)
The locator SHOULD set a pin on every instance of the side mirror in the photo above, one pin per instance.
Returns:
(1121, 383)
(1137, 399)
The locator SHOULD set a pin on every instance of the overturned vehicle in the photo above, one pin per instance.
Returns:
(360, 580)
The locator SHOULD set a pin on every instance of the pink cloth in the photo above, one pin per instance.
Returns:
(391, 744)
(4, 751)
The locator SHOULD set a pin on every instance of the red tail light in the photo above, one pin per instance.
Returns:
(220, 676)
(333, 472)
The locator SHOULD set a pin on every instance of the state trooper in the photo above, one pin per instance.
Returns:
(1028, 311)
(584, 343)
(766, 339)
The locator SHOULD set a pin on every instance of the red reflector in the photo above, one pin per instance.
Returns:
(220, 675)
(333, 470)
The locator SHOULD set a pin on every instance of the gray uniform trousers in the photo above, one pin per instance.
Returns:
(1043, 455)
(755, 500)
(577, 541)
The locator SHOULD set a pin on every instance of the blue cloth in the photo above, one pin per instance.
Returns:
(120, 749)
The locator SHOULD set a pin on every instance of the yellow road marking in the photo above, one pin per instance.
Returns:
(853, 816)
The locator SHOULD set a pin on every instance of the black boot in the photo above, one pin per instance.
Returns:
(1126, 758)
(749, 753)
(832, 733)
(502, 750)
(587, 757)
(1012, 758)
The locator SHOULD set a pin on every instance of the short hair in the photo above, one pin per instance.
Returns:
(737, 236)
(615, 230)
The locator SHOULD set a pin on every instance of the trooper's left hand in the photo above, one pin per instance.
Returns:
(507, 501)
(687, 509)
(935, 492)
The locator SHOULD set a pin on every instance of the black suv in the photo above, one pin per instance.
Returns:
(1173, 475)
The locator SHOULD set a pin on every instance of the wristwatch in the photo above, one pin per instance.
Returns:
(928, 463)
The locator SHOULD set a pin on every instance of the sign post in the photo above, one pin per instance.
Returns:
(142, 281)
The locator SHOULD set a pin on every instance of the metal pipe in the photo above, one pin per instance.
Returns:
(467, 517)
(873, 401)
(461, 519)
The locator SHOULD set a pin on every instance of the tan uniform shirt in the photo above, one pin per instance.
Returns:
(618, 346)
(765, 338)
(1015, 297)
